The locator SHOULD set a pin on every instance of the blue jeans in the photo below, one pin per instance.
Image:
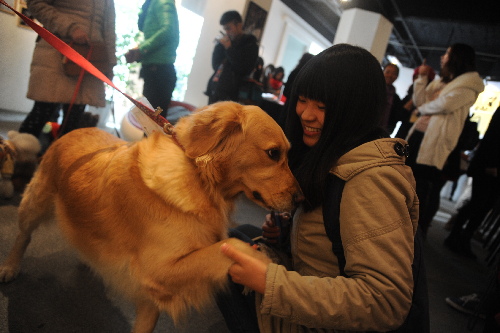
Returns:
(238, 309)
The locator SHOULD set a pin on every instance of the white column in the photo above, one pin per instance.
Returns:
(366, 29)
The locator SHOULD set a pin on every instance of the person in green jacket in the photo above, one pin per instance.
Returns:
(159, 22)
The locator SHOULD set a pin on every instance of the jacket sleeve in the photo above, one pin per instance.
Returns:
(419, 86)
(166, 16)
(242, 59)
(377, 234)
(109, 32)
(450, 102)
(218, 56)
(52, 18)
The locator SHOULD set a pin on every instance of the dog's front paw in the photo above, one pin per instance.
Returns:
(251, 250)
(8, 273)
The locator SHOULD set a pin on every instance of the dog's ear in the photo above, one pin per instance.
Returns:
(211, 129)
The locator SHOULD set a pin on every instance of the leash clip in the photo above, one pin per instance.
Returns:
(168, 128)
(158, 111)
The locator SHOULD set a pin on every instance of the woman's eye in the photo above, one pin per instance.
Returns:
(274, 154)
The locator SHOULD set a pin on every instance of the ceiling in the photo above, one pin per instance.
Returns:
(422, 29)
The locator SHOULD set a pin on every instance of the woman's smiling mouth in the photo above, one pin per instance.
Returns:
(311, 130)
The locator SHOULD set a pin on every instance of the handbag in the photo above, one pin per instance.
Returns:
(96, 53)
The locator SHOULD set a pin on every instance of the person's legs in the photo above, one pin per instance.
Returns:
(159, 83)
(486, 192)
(463, 215)
(38, 117)
(237, 308)
(434, 201)
(71, 119)
(427, 178)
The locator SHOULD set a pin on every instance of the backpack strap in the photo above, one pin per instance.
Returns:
(331, 217)
(417, 320)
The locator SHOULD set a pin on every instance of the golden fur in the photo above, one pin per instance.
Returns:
(149, 217)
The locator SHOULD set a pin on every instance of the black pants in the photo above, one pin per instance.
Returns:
(237, 308)
(429, 181)
(43, 112)
(485, 192)
(159, 83)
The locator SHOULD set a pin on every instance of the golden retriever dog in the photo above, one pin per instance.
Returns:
(149, 217)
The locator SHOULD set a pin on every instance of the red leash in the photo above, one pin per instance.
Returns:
(75, 94)
(78, 59)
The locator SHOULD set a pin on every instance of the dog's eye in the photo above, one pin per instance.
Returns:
(274, 154)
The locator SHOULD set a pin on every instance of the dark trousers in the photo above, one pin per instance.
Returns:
(429, 181)
(485, 191)
(238, 309)
(159, 83)
(43, 112)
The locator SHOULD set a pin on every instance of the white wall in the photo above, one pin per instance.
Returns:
(16, 48)
(404, 81)
(281, 22)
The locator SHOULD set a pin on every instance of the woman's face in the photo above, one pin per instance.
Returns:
(445, 57)
(312, 118)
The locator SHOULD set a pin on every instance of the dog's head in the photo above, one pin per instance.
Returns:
(241, 149)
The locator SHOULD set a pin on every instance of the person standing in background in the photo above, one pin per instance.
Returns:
(393, 111)
(78, 22)
(233, 59)
(443, 106)
(483, 169)
(159, 22)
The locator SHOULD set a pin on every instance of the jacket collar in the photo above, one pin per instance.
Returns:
(387, 151)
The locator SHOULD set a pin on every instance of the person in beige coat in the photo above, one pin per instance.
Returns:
(80, 22)
(337, 101)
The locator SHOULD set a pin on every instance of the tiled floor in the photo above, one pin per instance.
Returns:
(56, 293)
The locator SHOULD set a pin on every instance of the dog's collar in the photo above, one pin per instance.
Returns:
(168, 128)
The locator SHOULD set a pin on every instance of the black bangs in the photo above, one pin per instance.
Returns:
(311, 84)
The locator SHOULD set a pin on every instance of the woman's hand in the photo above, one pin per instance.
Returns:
(133, 55)
(79, 36)
(424, 69)
(270, 231)
(246, 270)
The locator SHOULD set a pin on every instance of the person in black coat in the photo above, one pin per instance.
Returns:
(483, 169)
(394, 110)
(233, 59)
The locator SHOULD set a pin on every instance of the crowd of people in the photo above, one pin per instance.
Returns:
(340, 109)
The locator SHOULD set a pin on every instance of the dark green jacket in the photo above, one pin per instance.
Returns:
(161, 33)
